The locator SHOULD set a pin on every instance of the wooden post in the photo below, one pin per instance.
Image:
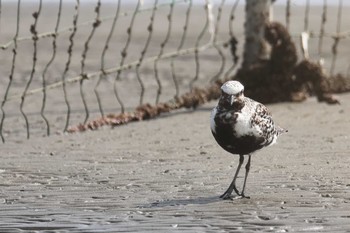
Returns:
(255, 48)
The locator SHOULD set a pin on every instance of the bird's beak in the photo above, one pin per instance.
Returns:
(232, 99)
(235, 99)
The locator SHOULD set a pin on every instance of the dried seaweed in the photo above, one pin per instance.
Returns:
(193, 99)
(281, 78)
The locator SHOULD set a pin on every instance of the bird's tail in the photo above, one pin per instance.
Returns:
(281, 130)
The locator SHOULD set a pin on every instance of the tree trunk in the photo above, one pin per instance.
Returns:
(255, 48)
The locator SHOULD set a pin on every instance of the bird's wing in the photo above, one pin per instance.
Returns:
(262, 120)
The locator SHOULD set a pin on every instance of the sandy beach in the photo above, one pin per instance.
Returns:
(164, 175)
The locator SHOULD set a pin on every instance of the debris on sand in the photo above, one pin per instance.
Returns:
(280, 78)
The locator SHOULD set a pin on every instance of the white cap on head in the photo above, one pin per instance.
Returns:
(232, 87)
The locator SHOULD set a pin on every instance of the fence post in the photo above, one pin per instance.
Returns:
(257, 14)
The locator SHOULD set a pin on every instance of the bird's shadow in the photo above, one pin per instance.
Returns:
(182, 202)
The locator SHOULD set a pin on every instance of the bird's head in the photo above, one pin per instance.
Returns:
(232, 95)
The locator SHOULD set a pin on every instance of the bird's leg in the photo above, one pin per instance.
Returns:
(227, 194)
(247, 168)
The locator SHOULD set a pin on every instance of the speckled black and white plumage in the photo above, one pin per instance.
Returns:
(241, 126)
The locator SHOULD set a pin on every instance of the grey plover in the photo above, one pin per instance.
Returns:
(241, 126)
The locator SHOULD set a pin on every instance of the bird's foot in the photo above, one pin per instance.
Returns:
(227, 196)
(244, 196)
(228, 193)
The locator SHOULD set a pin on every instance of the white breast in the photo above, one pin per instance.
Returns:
(243, 125)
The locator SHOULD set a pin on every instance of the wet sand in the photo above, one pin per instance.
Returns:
(166, 175)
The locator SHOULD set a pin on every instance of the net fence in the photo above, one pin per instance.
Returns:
(65, 63)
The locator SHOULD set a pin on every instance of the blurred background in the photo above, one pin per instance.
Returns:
(65, 63)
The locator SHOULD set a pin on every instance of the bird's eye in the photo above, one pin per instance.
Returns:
(240, 93)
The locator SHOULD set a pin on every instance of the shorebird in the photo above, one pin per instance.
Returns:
(241, 126)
